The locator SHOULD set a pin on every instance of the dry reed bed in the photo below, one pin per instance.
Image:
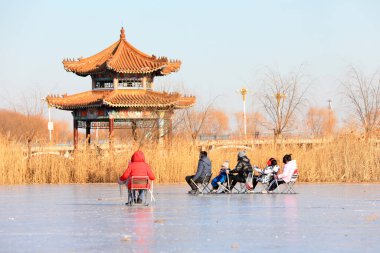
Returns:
(344, 160)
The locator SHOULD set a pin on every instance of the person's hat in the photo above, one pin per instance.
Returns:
(226, 165)
(241, 153)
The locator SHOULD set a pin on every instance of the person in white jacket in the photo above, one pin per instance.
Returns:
(267, 174)
(289, 168)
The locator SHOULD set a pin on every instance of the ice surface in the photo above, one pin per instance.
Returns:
(93, 218)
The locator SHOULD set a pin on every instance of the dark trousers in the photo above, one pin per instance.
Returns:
(254, 182)
(140, 193)
(192, 185)
(235, 179)
(272, 184)
(240, 178)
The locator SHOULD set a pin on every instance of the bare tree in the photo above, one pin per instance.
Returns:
(283, 96)
(363, 96)
(29, 104)
(320, 121)
(216, 122)
(255, 123)
(32, 107)
(194, 119)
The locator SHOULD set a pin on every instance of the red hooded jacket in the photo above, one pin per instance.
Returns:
(137, 167)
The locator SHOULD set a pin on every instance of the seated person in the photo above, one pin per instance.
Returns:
(289, 168)
(267, 173)
(221, 178)
(137, 167)
(241, 171)
(204, 169)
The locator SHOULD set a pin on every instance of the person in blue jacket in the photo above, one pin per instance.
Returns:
(204, 169)
(221, 178)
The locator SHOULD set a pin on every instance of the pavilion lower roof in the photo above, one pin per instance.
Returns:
(121, 98)
(122, 57)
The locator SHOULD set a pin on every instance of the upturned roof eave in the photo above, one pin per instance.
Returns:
(114, 99)
(108, 59)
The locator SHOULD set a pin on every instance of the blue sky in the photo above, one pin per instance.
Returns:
(223, 45)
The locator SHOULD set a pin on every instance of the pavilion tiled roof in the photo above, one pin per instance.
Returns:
(121, 98)
(122, 57)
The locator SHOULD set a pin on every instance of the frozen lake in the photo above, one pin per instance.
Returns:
(92, 218)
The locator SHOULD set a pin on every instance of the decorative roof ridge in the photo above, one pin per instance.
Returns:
(124, 42)
(145, 91)
(129, 47)
(122, 33)
(121, 57)
(70, 65)
(77, 60)
(121, 98)
(173, 94)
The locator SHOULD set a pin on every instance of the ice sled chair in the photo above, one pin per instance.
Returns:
(203, 187)
(248, 186)
(240, 187)
(290, 184)
(265, 179)
(245, 187)
(139, 188)
(224, 187)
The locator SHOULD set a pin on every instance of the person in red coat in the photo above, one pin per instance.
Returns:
(137, 167)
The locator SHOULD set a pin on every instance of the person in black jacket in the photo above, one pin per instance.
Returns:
(241, 171)
(204, 168)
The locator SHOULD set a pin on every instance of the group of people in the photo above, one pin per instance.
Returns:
(244, 173)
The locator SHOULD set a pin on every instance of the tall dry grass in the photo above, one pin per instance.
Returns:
(343, 160)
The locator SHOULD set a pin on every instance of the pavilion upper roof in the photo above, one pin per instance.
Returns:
(121, 98)
(122, 57)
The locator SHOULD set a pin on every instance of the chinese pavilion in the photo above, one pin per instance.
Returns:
(122, 94)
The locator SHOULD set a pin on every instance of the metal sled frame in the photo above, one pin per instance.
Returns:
(289, 186)
(140, 183)
(203, 187)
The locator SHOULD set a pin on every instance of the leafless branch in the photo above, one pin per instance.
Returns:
(291, 96)
(363, 97)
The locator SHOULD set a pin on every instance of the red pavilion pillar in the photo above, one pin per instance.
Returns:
(110, 128)
(88, 132)
(75, 134)
(134, 130)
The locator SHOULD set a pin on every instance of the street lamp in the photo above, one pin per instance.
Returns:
(50, 123)
(243, 91)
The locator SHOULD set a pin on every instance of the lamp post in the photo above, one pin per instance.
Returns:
(243, 91)
(50, 123)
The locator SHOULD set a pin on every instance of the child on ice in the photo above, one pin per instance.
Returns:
(221, 178)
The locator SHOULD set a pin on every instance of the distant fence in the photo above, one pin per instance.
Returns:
(214, 137)
(255, 135)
